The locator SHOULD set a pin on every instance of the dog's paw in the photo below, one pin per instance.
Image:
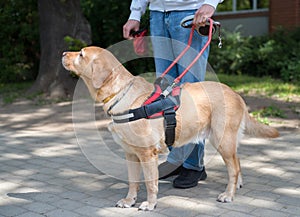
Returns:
(146, 206)
(225, 198)
(126, 203)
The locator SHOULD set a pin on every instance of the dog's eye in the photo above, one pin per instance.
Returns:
(80, 54)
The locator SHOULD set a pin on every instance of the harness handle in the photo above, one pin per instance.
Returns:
(181, 54)
(176, 81)
(210, 33)
(202, 30)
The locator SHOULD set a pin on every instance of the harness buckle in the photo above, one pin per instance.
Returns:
(169, 89)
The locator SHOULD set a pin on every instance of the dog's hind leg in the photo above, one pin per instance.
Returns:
(134, 173)
(240, 179)
(228, 150)
(232, 165)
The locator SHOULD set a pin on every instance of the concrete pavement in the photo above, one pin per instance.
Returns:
(45, 173)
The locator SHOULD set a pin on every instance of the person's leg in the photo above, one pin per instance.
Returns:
(162, 45)
(193, 154)
(180, 38)
(165, 25)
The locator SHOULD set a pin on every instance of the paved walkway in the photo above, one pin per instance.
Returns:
(45, 173)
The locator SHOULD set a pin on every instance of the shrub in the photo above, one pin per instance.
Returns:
(276, 55)
(19, 50)
(107, 19)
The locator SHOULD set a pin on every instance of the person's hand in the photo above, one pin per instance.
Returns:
(202, 14)
(129, 26)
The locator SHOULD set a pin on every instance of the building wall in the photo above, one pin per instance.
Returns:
(284, 13)
(251, 23)
(280, 14)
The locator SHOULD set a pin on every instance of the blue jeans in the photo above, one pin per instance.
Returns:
(168, 41)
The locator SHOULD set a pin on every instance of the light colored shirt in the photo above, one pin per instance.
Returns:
(138, 7)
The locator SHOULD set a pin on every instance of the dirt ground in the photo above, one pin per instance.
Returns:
(290, 110)
(29, 115)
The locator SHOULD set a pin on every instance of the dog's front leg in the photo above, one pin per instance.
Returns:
(134, 172)
(150, 169)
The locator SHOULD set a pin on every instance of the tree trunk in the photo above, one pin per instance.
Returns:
(57, 19)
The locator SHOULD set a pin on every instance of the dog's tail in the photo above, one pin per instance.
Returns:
(256, 129)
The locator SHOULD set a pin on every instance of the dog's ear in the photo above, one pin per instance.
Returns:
(99, 73)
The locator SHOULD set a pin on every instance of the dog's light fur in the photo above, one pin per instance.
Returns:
(208, 109)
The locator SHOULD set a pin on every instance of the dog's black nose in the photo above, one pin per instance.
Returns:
(64, 54)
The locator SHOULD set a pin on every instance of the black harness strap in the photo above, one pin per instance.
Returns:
(165, 105)
(170, 125)
(162, 104)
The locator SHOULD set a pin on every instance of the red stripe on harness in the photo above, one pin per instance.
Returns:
(156, 94)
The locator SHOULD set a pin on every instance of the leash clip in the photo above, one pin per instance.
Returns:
(220, 42)
(168, 90)
(220, 37)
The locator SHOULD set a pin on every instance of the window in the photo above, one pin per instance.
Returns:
(236, 6)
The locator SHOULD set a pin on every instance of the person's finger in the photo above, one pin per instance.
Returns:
(129, 26)
(202, 14)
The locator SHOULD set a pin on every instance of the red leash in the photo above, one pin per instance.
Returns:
(182, 53)
(176, 80)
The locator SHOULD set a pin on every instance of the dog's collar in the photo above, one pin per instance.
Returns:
(107, 99)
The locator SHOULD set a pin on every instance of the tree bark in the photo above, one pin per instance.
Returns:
(57, 19)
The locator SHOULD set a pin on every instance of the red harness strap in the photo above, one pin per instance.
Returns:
(156, 95)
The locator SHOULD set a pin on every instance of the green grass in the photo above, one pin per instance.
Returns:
(264, 86)
(250, 85)
(10, 92)
(263, 114)
(149, 76)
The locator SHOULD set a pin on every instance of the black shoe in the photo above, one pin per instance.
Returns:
(167, 169)
(189, 178)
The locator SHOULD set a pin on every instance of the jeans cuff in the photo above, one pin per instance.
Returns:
(191, 167)
(174, 162)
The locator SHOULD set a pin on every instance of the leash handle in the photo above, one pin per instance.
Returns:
(211, 23)
(168, 90)
(186, 22)
(199, 55)
(138, 32)
(202, 30)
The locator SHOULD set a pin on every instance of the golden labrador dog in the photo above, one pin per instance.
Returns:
(207, 110)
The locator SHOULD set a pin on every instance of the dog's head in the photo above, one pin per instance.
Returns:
(91, 63)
